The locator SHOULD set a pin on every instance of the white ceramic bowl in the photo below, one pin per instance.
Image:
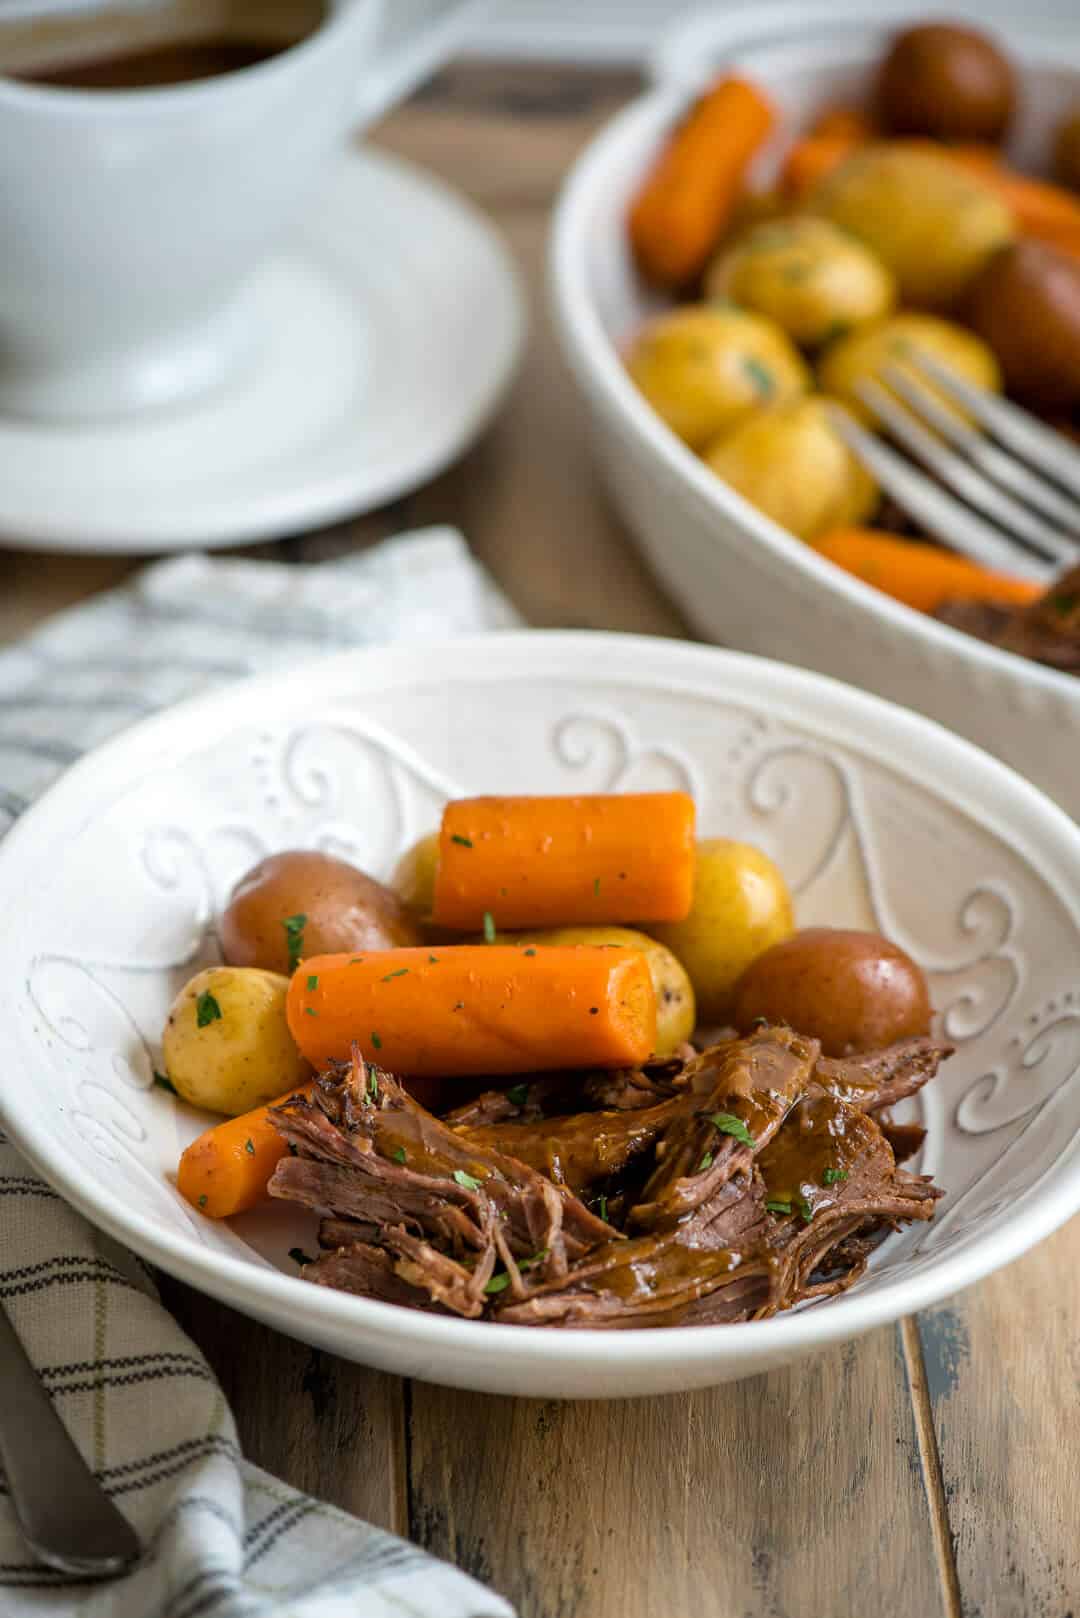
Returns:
(740, 578)
(110, 886)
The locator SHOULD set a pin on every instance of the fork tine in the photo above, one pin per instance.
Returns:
(963, 478)
(938, 511)
(1040, 445)
(1011, 474)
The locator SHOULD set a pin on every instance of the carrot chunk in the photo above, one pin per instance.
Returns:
(921, 576)
(687, 199)
(545, 862)
(477, 1008)
(228, 1168)
(810, 159)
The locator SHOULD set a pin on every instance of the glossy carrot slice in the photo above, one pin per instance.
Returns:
(921, 576)
(227, 1169)
(547, 862)
(476, 1008)
(687, 199)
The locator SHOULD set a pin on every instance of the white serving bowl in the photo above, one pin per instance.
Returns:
(878, 818)
(740, 578)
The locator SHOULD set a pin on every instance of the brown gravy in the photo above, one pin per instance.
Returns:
(160, 65)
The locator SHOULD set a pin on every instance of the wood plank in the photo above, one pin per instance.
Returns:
(32, 587)
(333, 1429)
(1002, 1365)
(504, 133)
(796, 1493)
(529, 498)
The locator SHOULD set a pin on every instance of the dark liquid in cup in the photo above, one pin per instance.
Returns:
(167, 64)
(234, 39)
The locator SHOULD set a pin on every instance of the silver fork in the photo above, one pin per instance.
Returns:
(1019, 474)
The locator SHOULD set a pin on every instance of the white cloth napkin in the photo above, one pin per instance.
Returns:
(221, 1539)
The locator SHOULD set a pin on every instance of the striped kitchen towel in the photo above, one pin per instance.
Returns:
(220, 1538)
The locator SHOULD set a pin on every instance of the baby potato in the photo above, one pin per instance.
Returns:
(226, 1045)
(791, 464)
(1026, 305)
(741, 907)
(705, 367)
(812, 279)
(306, 903)
(930, 223)
(414, 875)
(946, 81)
(862, 356)
(675, 1009)
(854, 991)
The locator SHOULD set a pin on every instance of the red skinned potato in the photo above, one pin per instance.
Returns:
(1025, 305)
(303, 903)
(949, 82)
(852, 990)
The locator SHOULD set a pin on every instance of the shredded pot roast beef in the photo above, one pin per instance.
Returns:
(1048, 631)
(721, 1186)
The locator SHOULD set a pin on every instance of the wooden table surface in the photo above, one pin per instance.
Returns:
(927, 1469)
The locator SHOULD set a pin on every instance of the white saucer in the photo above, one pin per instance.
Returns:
(397, 321)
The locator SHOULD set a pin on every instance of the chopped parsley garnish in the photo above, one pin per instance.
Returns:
(832, 1176)
(602, 1205)
(489, 927)
(498, 1283)
(760, 376)
(399, 1155)
(373, 1087)
(838, 329)
(466, 1181)
(530, 952)
(776, 1205)
(400, 973)
(310, 1011)
(434, 959)
(294, 938)
(1064, 602)
(728, 1124)
(202, 1202)
(807, 1210)
(706, 1163)
(249, 1147)
(357, 960)
(518, 1095)
(464, 842)
(163, 1082)
(298, 1256)
(596, 886)
(313, 981)
(207, 1009)
(376, 1041)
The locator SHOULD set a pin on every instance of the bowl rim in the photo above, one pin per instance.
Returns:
(594, 360)
(978, 784)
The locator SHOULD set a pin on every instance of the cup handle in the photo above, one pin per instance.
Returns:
(415, 37)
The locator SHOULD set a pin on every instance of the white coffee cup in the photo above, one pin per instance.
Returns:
(131, 220)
